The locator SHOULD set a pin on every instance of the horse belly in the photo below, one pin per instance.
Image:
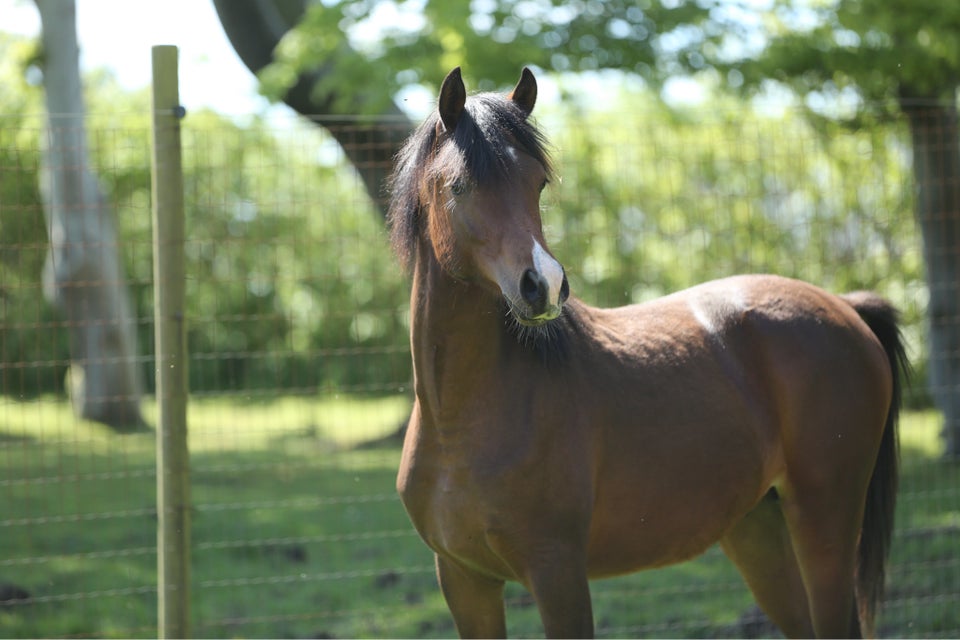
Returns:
(668, 512)
(647, 542)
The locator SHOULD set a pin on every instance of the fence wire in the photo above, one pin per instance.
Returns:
(300, 374)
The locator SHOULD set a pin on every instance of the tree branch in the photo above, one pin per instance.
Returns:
(255, 28)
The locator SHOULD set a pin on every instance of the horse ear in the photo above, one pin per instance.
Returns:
(525, 93)
(453, 95)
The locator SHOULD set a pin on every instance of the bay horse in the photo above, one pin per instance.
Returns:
(552, 442)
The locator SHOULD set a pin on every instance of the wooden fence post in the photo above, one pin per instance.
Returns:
(173, 468)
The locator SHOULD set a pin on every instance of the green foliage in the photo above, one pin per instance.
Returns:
(288, 272)
(879, 50)
(23, 236)
(390, 45)
(871, 52)
(290, 283)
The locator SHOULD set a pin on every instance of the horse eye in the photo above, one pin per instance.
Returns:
(458, 187)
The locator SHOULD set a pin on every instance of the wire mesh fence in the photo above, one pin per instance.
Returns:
(300, 376)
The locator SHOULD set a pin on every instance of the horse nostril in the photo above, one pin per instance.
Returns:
(533, 289)
(564, 289)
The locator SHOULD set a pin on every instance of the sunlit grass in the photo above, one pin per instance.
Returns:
(920, 435)
(222, 423)
(331, 422)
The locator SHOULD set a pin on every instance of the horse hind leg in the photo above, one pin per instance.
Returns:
(824, 530)
(760, 546)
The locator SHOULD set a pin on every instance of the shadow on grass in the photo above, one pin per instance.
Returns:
(312, 544)
(14, 438)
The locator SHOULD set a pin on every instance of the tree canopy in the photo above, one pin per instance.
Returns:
(390, 45)
(875, 51)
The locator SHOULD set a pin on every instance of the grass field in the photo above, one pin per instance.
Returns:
(297, 532)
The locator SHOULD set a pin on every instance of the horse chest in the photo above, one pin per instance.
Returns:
(454, 502)
(451, 517)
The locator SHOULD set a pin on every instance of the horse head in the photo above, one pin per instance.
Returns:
(479, 167)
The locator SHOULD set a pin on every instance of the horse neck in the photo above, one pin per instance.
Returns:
(457, 337)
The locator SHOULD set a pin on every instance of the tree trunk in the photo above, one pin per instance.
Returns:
(83, 275)
(254, 28)
(936, 167)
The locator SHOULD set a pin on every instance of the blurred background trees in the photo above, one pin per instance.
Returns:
(292, 265)
(292, 284)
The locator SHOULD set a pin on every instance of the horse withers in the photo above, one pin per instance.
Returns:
(552, 442)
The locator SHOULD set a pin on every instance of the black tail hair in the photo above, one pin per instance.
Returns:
(882, 318)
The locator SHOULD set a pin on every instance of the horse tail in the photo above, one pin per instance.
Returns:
(882, 318)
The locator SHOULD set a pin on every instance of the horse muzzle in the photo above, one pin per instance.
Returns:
(542, 300)
(536, 291)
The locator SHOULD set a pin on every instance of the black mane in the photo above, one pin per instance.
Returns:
(489, 124)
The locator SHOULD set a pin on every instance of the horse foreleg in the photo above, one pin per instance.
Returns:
(474, 600)
(562, 593)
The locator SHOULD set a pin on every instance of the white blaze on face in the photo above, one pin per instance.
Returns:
(551, 271)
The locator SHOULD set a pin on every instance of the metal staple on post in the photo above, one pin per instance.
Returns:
(173, 469)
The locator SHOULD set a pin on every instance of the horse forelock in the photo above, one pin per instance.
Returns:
(479, 148)
(492, 127)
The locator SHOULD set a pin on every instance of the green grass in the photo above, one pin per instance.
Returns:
(297, 533)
